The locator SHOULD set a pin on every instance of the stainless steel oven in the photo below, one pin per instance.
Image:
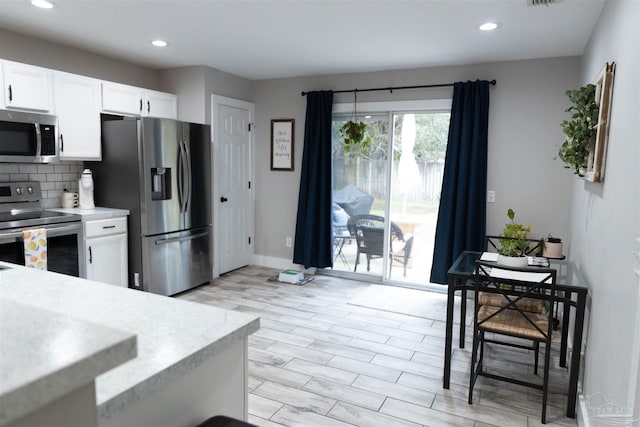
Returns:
(20, 211)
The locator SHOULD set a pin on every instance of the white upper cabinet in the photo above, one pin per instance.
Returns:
(26, 87)
(77, 105)
(124, 99)
(160, 104)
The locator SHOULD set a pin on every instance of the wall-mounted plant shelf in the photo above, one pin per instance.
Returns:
(585, 147)
(597, 157)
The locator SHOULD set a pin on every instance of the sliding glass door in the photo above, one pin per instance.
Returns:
(397, 177)
(360, 187)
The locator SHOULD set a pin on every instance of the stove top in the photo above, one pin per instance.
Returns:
(38, 218)
(20, 207)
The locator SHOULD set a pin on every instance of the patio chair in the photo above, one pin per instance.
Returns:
(513, 285)
(369, 233)
(341, 235)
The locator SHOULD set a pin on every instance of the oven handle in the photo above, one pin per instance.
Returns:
(51, 231)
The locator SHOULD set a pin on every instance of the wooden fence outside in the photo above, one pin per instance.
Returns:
(370, 177)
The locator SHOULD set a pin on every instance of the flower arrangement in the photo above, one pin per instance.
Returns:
(515, 243)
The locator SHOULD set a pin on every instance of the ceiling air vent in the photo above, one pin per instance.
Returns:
(542, 2)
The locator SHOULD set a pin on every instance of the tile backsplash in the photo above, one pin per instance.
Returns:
(53, 178)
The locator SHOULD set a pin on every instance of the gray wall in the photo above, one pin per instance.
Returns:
(189, 83)
(195, 85)
(605, 218)
(43, 53)
(527, 105)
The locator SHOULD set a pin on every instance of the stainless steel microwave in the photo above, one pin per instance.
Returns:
(28, 137)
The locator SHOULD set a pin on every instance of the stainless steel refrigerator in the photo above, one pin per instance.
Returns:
(160, 170)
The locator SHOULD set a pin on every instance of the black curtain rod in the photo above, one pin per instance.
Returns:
(391, 89)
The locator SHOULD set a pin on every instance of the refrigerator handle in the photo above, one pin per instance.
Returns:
(180, 176)
(181, 239)
(189, 172)
(184, 172)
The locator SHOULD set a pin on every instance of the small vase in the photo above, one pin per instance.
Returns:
(513, 261)
(552, 250)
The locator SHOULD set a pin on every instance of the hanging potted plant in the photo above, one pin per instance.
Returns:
(513, 248)
(354, 132)
(580, 129)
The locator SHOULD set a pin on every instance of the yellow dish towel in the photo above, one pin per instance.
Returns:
(35, 248)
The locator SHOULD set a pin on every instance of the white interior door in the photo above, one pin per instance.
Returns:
(235, 230)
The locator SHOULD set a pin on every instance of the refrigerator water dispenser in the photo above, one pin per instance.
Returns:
(160, 183)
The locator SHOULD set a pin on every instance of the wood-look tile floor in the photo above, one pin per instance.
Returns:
(319, 361)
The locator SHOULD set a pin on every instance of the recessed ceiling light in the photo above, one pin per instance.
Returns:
(488, 26)
(43, 4)
(159, 43)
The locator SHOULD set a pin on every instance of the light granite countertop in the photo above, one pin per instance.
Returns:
(174, 336)
(45, 355)
(93, 214)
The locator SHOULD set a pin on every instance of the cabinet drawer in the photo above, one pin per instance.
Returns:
(104, 227)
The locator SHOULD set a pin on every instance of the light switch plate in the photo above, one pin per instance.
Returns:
(491, 196)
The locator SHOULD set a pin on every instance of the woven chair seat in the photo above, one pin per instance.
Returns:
(531, 305)
(512, 322)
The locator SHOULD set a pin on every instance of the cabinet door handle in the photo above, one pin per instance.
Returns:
(223, 199)
(148, 106)
(10, 93)
(61, 143)
(141, 105)
(104, 227)
(90, 256)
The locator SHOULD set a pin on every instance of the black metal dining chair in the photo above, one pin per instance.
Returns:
(516, 287)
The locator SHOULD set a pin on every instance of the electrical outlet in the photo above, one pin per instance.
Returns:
(287, 242)
(491, 196)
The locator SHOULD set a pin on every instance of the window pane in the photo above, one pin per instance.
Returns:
(359, 186)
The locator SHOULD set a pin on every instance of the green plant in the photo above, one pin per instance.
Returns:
(580, 129)
(353, 133)
(515, 243)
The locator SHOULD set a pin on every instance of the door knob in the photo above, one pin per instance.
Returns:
(223, 199)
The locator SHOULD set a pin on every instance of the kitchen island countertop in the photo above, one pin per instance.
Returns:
(173, 336)
(46, 355)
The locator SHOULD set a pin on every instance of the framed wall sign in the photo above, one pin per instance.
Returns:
(282, 142)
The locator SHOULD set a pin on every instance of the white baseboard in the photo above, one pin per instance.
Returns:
(582, 416)
(279, 263)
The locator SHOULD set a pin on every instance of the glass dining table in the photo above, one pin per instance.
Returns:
(572, 293)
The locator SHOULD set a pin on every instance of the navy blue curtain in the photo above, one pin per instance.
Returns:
(313, 244)
(462, 215)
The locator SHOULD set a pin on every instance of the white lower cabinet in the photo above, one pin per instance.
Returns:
(106, 251)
